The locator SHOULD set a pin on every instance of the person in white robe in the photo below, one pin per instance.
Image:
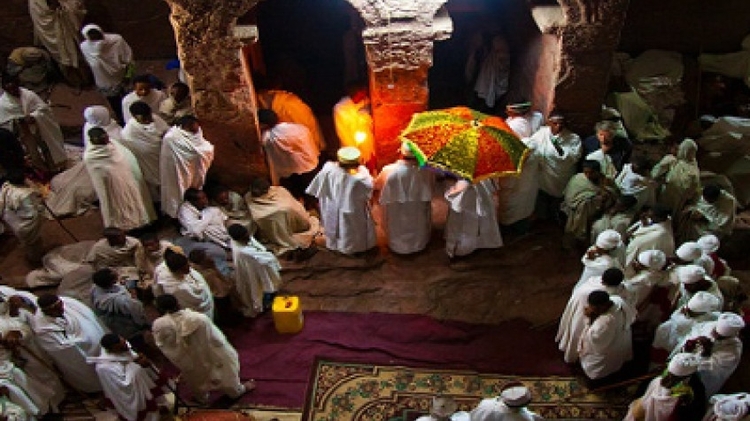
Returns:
(668, 395)
(150, 256)
(606, 341)
(200, 221)
(35, 387)
(119, 252)
(679, 177)
(406, 202)
(98, 116)
(586, 195)
(25, 114)
(653, 231)
(185, 158)
(284, 225)
(713, 213)
(9, 410)
(232, 204)
(352, 119)
(619, 218)
(444, 408)
(472, 219)
(559, 150)
(144, 91)
(175, 277)
(179, 332)
(491, 83)
(511, 405)
(522, 120)
(635, 180)
(573, 320)
(516, 195)
(143, 135)
(116, 307)
(291, 109)
(178, 104)
(692, 278)
(733, 407)
(648, 283)
(710, 245)
(110, 59)
(344, 189)
(607, 252)
(702, 307)
(257, 273)
(22, 208)
(606, 136)
(56, 25)
(123, 194)
(127, 381)
(69, 332)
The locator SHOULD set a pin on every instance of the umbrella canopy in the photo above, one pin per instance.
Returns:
(465, 142)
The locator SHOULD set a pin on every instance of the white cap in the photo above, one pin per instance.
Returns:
(709, 243)
(729, 324)
(652, 259)
(516, 396)
(683, 364)
(608, 239)
(689, 251)
(443, 406)
(704, 302)
(348, 155)
(732, 407)
(706, 262)
(406, 150)
(690, 274)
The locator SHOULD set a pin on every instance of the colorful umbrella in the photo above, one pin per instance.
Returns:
(465, 142)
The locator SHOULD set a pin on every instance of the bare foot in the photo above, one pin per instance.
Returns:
(249, 385)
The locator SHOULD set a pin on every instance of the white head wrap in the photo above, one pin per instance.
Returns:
(689, 251)
(608, 239)
(709, 243)
(731, 407)
(703, 302)
(516, 396)
(683, 364)
(690, 274)
(97, 115)
(652, 259)
(85, 30)
(729, 324)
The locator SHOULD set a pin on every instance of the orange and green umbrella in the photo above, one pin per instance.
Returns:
(465, 142)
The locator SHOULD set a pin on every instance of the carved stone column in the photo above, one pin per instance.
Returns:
(398, 39)
(223, 99)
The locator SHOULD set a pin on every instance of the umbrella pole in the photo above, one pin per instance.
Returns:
(59, 221)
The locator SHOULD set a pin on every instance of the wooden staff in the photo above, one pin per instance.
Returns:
(628, 382)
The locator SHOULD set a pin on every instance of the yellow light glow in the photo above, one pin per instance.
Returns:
(360, 137)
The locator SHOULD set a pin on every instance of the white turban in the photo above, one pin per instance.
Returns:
(85, 30)
(704, 302)
(706, 262)
(729, 324)
(731, 407)
(690, 274)
(683, 364)
(689, 251)
(652, 259)
(516, 396)
(443, 406)
(709, 243)
(97, 115)
(608, 239)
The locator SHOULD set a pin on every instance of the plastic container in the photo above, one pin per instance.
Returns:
(287, 314)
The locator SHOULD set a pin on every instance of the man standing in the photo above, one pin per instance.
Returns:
(69, 332)
(175, 277)
(653, 231)
(110, 58)
(186, 156)
(406, 202)
(606, 342)
(344, 189)
(22, 208)
(472, 220)
(522, 120)
(123, 194)
(56, 24)
(291, 109)
(353, 120)
(143, 135)
(143, 90)
(177, 105)
(116, 307)
(257, 271)
(180, 332)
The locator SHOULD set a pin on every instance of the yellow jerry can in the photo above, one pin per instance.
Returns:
(287, 314)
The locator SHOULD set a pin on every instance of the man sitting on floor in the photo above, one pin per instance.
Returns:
(257, 271)
(120, 252)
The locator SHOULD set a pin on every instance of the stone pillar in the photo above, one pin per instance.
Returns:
(222, 94)
(398, 39)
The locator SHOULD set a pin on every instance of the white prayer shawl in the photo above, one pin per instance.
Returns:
(144, 141)
(69, 340)
(350, 118)
(178, 335)
(290, 149)
(153, 99)
(256, 273)
(185, 159)
(123, 194)
(191, 291)
(30, 104)
(681, 177)
(573, 321)
(716, 369)
(619, 222)
(205, 224)
(291, 109)
(555, 170)
(657, 403)
(102, 254)
(657, 236)
(405, 197)
(344, 204)
(71, 192)
(685, 296)
(57, 30)
(118, 310)
(494, 409)
(472, 220)
(125, 383)
(719, 216)
(13, 412)
(580, 203)
(171, 110)
(107, 58)
(21, 390)
(598, 265)
(641, 284)
(670, 333)
(606, 344)
(282, 220)
(525, 125)
(22, 209)
(632, 184)
(608, 168)
(517, 194)
(739, 398)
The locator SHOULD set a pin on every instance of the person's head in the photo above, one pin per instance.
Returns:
(612, 277)
(515, 395)
(196, 198)
(141, 112)
(641, 165)
(189, 123)
(348, 157)
(177, 263)
(693, 278)
(239, 233)
(98, 136)
(729, 325)
(104, 278)
(659, 213)
(259, 186)
(605, 132)
(599, 301)
(592, 170)
(680, 368)
(166, 304)
(517, 108)
(97, 115)
(650, 259)
(267, 118)
(556, 122)
(179, 91)
(93, 32)
(711, 193)
(150, 242)
(142, 85)
(51, 305)
(443, 407)
(11, 84)
(687, 150)
(114, 343)
(689, 251)
(700, 303)
(357, 90)
(608, 240)
(115, 236)
(16, 177)
(218, 193)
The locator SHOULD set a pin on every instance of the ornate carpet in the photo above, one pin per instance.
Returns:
(363, 392)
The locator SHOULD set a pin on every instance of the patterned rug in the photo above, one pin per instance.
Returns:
(363, 392)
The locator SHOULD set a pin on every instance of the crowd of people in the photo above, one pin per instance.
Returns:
(652, 232)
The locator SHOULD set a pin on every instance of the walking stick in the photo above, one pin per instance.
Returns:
(59, 222)
(628, 382)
